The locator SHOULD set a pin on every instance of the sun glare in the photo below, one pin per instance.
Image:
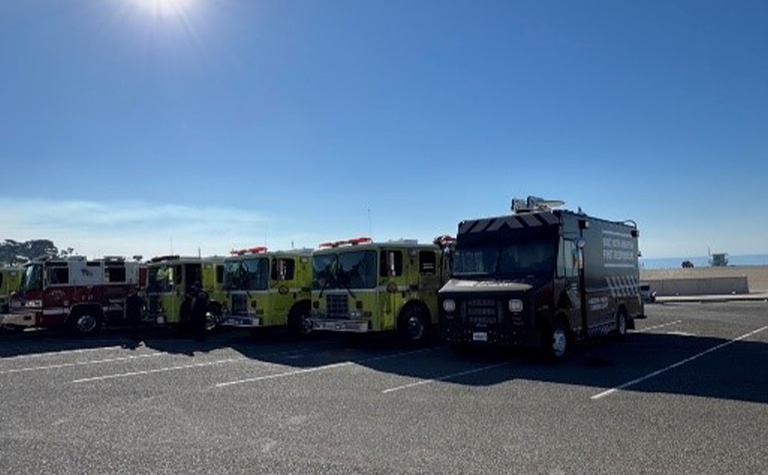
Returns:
(166, 7)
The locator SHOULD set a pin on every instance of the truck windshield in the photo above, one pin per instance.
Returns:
(324, 271)
(247, 274)
(346, 270)
(357, 270)
(520, 258)
(33, 278)
(159, 279)
(530, 257)
(475, 260)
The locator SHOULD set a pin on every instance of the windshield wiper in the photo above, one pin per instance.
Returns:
(347, 280)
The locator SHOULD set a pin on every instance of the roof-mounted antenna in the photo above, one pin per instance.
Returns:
(534, 204)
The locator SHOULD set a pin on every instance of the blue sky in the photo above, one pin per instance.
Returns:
(128, 124)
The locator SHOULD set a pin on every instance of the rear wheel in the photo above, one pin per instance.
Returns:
(621, 324)
(413, 325)
(87, 321)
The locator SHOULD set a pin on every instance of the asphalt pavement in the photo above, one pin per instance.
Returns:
(684, 393)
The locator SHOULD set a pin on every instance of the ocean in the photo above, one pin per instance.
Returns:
(675, 262)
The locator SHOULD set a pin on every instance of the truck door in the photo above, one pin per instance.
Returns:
(568, 270)
(282, 274)
(392, 282)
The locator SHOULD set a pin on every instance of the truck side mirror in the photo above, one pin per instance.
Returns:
(281, 269)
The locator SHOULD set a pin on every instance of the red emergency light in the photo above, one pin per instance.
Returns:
(351, 242)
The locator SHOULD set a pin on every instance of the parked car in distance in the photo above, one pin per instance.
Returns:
(646, 293)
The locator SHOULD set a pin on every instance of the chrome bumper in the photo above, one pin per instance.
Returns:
(349, 326)
(241, 322)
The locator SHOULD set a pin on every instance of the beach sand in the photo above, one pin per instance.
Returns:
(757, 276)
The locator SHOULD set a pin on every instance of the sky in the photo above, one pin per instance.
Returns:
(142, 127)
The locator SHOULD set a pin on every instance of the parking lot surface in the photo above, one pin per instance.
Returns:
(684, 393)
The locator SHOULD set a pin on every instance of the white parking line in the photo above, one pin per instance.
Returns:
(78, 363)
(679, 363)
(658, 326)
(158, 370)
(319, 368)
(189, 366)
(442, 378)
(62, 352)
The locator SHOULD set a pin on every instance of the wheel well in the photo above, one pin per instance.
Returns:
(78, 309)
(562, 318)
(301, 305)
(415, 303)
(215, 304)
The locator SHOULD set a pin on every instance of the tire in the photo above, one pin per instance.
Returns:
(557, 344)
(213, 317)
(297, 322)
(86, 321)
(621, 324)
(413, 325)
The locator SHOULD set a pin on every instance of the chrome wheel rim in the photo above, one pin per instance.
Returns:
(415, 328)
(86, 323)
(211, 321)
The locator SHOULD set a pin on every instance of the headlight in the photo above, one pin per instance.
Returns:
(354, 314)
(449, 305)
(34, 303)
(515, 306)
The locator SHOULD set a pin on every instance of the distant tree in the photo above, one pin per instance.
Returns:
(15, 253)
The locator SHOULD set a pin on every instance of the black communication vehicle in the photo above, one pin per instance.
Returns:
(541, 277)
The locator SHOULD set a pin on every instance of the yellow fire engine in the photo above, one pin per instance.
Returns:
(170, 280)
(268, 289)
(361, 286)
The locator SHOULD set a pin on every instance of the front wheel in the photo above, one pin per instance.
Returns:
(557, 345)
(213, 317)
(298, 324)
(413, 325)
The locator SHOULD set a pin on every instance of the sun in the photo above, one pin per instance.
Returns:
(166, 8)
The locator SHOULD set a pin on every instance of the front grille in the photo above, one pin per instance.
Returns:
(482, 311)
(338, 306)
(153, 304)
(239, 304)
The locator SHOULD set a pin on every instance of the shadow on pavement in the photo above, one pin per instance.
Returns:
(736, 371)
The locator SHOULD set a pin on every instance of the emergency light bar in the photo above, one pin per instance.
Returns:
(250, 250)
(444, 239)
(351, 242)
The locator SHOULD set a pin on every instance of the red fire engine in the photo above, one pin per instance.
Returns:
(85, 295)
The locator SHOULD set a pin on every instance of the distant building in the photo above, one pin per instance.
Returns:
(718, 259)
